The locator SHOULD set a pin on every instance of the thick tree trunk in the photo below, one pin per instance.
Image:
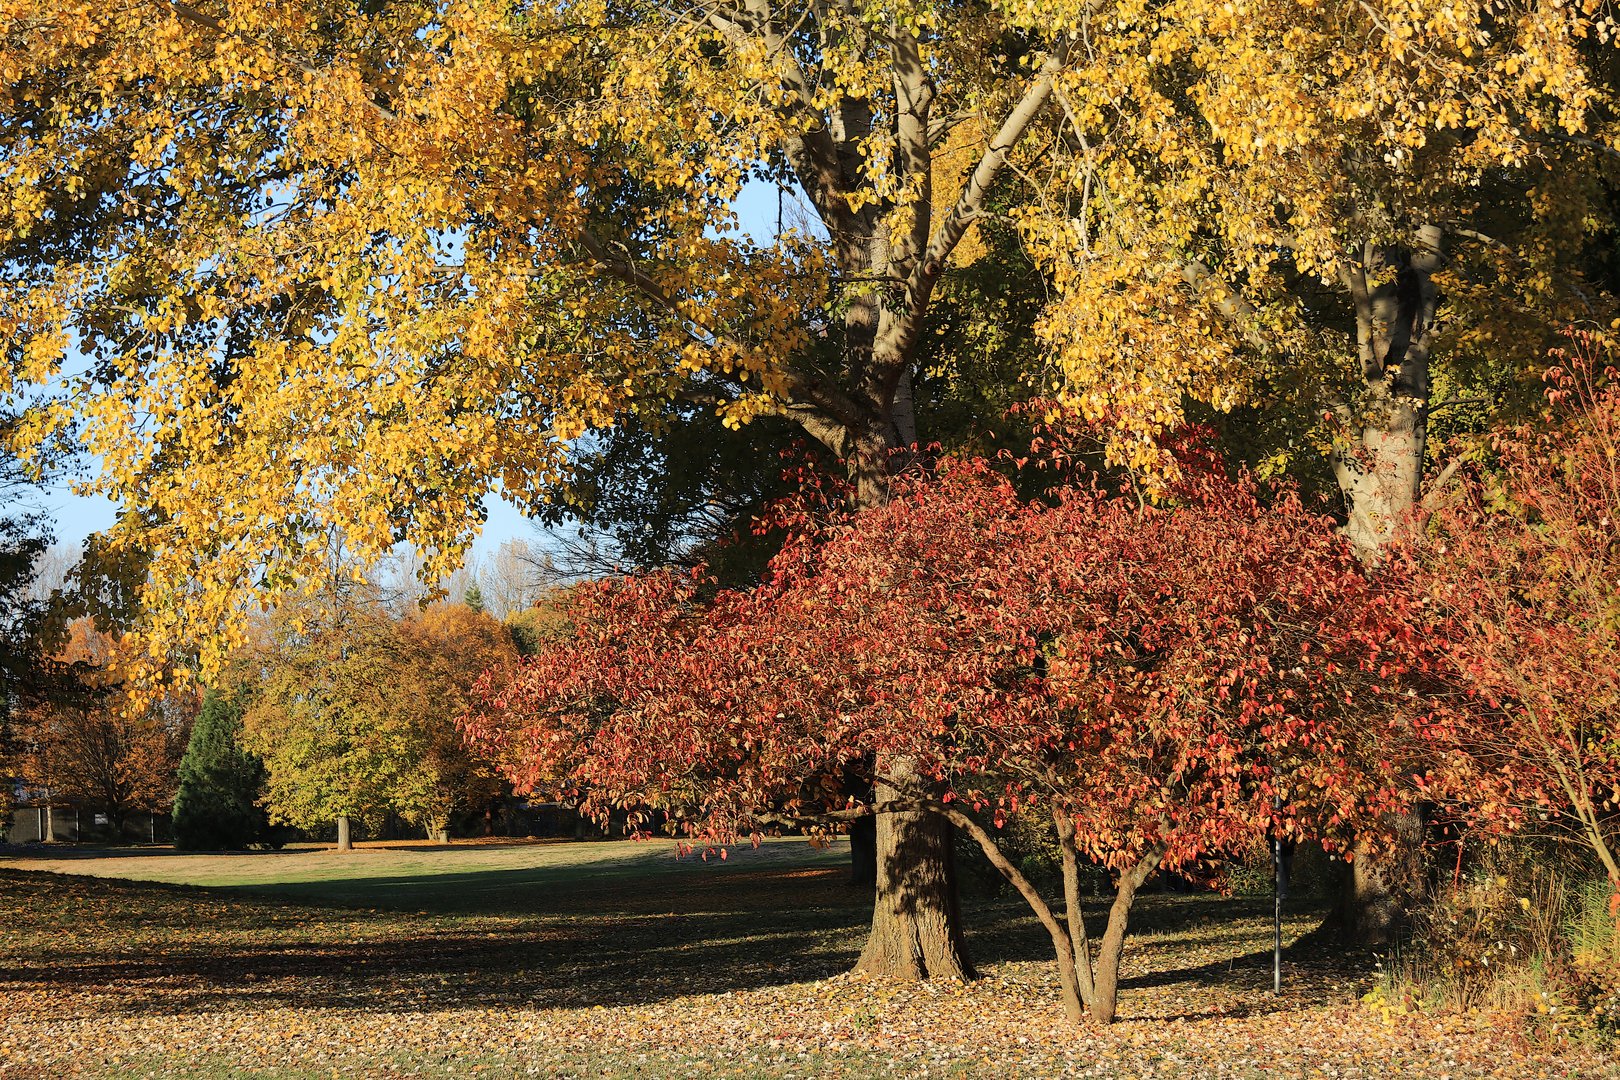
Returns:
(1381, 887)
(1106, 995)
(1380, 473)
(916, 924)
(1380, 468)
(50, 824)
(343, 841)
(916, 927)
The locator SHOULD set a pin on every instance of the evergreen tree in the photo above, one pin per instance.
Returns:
(214, 808)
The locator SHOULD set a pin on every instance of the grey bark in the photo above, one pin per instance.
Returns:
(1112, 947)
(1379, 470)
(916, 927)
(1379, 467)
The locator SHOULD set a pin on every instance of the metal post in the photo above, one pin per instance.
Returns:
(1276, 929)
(1279, 885)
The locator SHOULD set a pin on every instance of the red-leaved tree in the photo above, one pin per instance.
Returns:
(1521, 576)
(1170, 684)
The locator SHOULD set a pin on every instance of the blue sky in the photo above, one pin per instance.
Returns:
(76, 517)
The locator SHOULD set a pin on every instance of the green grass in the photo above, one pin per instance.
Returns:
(468, 877)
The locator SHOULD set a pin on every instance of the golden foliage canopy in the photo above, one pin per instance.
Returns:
(292, 265)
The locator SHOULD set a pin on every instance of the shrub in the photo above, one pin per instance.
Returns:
(1526, 933)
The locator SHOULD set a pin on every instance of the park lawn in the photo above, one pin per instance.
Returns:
(615, 959)
(464, 876)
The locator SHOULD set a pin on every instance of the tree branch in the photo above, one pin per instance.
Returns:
(812, 403)
(1224, 299)
(200, 18)
(955, 223)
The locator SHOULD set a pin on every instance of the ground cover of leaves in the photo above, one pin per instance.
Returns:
(614, 960)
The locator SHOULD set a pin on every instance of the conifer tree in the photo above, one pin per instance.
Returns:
(215, 806)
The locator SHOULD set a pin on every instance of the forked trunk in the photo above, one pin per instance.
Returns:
(1080, 943)
(916, 928)
(1106, 998)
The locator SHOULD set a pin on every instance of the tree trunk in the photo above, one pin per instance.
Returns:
(1085, 978)
(916, 927)
(343, 841)
(1380, 473)
(916, 923)
(50, 824)
(1381, 887)
(1112, 947)
(1380, 470)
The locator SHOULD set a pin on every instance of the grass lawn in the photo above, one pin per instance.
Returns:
(615, 959)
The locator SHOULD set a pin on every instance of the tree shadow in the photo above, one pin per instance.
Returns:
(24, 853)
(552, 937)
(488, 937)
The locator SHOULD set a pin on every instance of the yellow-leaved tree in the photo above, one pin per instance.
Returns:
(309, 265)
(290, 266)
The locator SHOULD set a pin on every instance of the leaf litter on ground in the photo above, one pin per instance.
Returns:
(741, 972)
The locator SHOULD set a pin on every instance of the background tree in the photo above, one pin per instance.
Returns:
(353, 713)
(29, 676)
(535, 627)
(216, 804)
(442, 654)
(110, 742)
(317, 688)
(514, 578)
(26, 670)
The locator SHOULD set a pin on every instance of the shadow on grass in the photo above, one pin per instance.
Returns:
(547, 937)
(489, 938)
(76, 853)
(63, 852)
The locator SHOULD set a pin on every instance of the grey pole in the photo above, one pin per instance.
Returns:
(1279, 885)
(1276, 928)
